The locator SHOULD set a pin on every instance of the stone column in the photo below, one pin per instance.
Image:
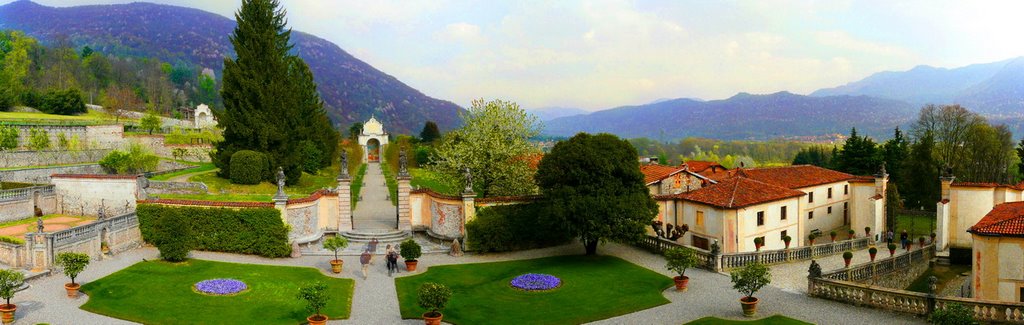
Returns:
(468, 209)
(404, 206)
(942, 212)
(344, 204)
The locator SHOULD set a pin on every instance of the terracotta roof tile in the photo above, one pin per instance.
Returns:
(794, 177)
(698, 166)
(655, 172)
(1006, 219)
(1018, 186)
(862, 179)
(738, 192)
(94, 176)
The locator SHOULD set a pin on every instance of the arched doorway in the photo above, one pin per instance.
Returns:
(373, 150)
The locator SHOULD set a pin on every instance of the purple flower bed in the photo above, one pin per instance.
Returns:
(221, 286)
(536, 282)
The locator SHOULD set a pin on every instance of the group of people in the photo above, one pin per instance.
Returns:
(390, 255)
(904, 238)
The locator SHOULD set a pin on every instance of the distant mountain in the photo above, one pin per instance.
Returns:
(351, 89)
(744, 116)
(990, 88)
(550, 113)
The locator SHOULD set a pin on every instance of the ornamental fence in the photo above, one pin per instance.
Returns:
(722, 262)
(25, 192)
(871, 270)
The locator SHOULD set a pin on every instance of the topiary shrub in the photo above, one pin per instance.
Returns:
(410, 250)
(174, 239)
(248, 167)
(257, 231)
(514, 227)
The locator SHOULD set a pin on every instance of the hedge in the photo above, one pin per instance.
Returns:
(257, 231)
(248, 167)
(514, 227)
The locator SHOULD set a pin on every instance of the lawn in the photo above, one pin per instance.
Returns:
(593, 288)
(222, 190)
(423, 178)
(357, 185)
(203, 167)
(157, 292)
(773, 320)
(916, 226)
(92, 117)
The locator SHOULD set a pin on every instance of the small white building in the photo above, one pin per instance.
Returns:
(372, 138)
(203, 117)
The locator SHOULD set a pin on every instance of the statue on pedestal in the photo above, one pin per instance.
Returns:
(403, 162)
(39, 224)
(815, 270)
(343, 172)
(280, 181)
(469, 181)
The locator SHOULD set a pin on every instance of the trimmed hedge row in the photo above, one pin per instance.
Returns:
(257, 231)
(514, 227)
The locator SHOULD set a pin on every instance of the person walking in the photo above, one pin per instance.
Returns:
(888, 236)
(392, 259)
(365, 260)
(372, 248)
(904, 239)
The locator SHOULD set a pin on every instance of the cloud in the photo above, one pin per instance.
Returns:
(461, 32)
(843, 40)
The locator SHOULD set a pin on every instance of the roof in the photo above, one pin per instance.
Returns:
(94, 176)
(698, 166)
(738, 192)
(654, 172)
(794, 177)
(1006, 219)
(1018, 186)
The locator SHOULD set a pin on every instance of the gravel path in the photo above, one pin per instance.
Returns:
(375, 210)
(375, 300)
(185, 177)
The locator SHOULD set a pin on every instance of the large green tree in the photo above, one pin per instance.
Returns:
(593, 184)
(271, 104)
(859, 155)
(922, 186)
(430, 132)
(894, 153)
(494, 144)
(1020, 156)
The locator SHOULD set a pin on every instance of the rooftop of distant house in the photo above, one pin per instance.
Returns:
(737, 192)
(792, 177)
(1006, 219)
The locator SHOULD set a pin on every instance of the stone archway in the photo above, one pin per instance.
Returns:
(373, 150)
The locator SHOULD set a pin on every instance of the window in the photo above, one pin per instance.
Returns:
(700, 218)
(810, 214)
(846, 189)
(830, 192)
(783, 212)
(829, 210)
(1021, 294)
(810, 197)
(783, 235)
(760, 218)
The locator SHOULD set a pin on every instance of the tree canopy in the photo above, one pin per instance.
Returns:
(594, 185)
(859, 155)
(430, 132)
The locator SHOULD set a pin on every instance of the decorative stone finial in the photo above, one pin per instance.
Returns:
(947, 171)
(280, 182)
(343, 172)
(469, 181)
(814, 271)
(403, 162)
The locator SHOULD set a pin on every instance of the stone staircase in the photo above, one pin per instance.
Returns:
(358, 241)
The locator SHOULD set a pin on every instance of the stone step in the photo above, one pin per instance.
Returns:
(360, 236)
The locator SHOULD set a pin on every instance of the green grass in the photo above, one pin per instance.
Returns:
(14, 185)
(357, 185)
(32, 220)
(391, 181)
(222, 190)
(204, 167)
(157, 292)
(423, 178)
(773, 320)
(92, 117)
(593, 288)
(916, 226)
(944, 273)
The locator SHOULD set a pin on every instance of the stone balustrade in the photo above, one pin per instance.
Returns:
(25, 192)
(723, 262)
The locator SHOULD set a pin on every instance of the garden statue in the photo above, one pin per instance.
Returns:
(656, 224)
(469, 181)
(403, 162)
(815, 270)
(715, 249)
(456, 248)
(343, 172)
(932, 284)
(39, 224)
(280, 181)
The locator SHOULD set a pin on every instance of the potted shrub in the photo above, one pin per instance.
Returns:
(847, 256)
(758, 242)
(336, 244)
(315, 294)
(810, 239)
(920, 240)
(433, 297)
(933, 237)
(679, 259)
(748, 280)
(73, 264)
(867, 231)
(872, 251)
(892, 249)
(410, 251)
(833, 234)
(786, 239)
(10, 281)
(104, 248)
(851, 233)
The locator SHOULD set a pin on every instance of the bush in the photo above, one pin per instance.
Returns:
(312, 157)
(423, 155)
(872, 250)
(891, 246)
(248, 167)
(12, 240)
(433, 297)
(38, 139)
(514, 227)
(150, 122)
(137, 159)
(953, 314)
(847, 255)
(257, 231)
(410, 250)
(751, 278)
(316, 296)
(173, 237)
(679, 259)
(73, 263)
(64, 102)
(8, 137)
(10, 281)
(31, 98)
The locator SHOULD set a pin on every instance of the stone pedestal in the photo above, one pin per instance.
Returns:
(404, 206)
(39, 255)
(344, 205)
(281, 204)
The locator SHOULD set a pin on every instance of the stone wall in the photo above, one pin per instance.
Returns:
(9, 159)
(900, 279)
(91, 136)
(447, 219)
(13, 255)
(160, 187)
(86, 194)
(41, 175)
(197, 153)
(20, 203)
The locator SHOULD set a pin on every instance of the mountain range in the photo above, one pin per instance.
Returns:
(550, 113)
(352, 90)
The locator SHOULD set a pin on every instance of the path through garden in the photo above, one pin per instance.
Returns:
(375, 210)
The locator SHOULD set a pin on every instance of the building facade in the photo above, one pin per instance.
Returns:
(998, 254)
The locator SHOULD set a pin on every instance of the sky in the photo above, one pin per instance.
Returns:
(602, 54)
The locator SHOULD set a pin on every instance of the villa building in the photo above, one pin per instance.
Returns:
(963, 205)
(998, 244)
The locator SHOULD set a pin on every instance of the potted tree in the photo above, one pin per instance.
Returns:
(810, 239)
(892, 249)
(336, 244)
(867, 231)
(315, 294)
(758, 242)
(433, 297)
(786, 239)
(833, 234)
(410, 251)
(748, 280)
(847, 256)
(10, 281)
(679, 259)
(920, 240)
(872, 251)
(851, 233)
(73, 264)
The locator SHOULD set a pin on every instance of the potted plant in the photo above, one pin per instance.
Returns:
(336, 244)
(892, 249)
(851, 233)
(10, 281)
(748, 280)
(758, 242)
(833, 234)
(920, 240)
(933, 237)
(679, 259)
(104, 247)
(410, 251)
(73, 264)
(847, 256)
(872, 251)
(867, 231)
(810, 238)
(786, 239)
(315, 294)
(433, 297)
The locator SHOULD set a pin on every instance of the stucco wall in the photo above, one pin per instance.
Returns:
(823, 220)
(998, 268)
(772, 228)
(967, 206)
(85, 195)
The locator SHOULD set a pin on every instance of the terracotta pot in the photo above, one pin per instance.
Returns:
(681, 282)
(847, 261)
(757, 247)
(787, 245)
(872, 256)
(7, 310)
(749, 307)
(812, 242)
(72, 289)
(336, 266)
(833, 237)
(892, 252)
(317, 319)
(921, 241)
(432, 320)
(411, 266)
